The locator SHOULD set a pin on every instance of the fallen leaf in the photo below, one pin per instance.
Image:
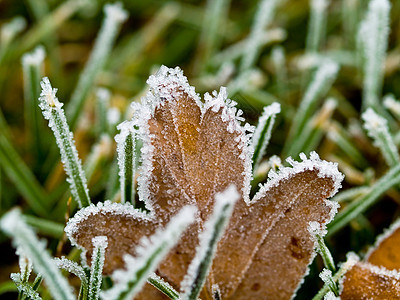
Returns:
(366, 281)
(191, 151)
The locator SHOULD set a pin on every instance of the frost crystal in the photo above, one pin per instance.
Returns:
(262, 133)
(149, 254)
(34, 58)
(24, 238)
(52, 111)
(208, 239)
(325, 169)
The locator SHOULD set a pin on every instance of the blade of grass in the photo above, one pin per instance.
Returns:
(321, 82)
(52, 111)
(126, 142)
(32, 66)
(378, 130)
(163, 286)
(389, 180)
(23, 236)
(208, 241)
(96, 271)
(73, 268)
(374, 37)
(265, 13)
(317, 25)
(45, 227)
(114, 17)
(23, 178)
(215, 15)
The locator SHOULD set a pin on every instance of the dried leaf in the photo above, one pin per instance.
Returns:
(387, 250)
(191, 151)
(275, 245)
(366, 281)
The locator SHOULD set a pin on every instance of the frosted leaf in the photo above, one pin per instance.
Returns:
(366, 281)
(191, 152)
(208, 239)
(113, 220)
(149, 253)
(386, 252)
(276, 246)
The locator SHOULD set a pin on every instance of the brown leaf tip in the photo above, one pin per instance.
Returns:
(105, 208)
(324, 169)
(169, 84)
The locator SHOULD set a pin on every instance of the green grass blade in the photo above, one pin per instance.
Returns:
(114, 16)
(317, 25)
(52, 111)
(163, 286)
(149, 255)
(377, 128)
(22, 177)
(126, 142)
(32, 67)
(96, 271)
(208, 240)
(24, 288)
(389, 180)
(321, 82)
(23, 236)
(262, 133)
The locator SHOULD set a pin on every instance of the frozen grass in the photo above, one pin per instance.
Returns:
(255, 48)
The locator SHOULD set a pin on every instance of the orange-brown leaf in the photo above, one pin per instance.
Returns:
(268, 240)
(387, 251)
(366, 281)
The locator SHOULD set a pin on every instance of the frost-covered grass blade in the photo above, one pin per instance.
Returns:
(208, 240)
(115, 15)
(262, 133)
(26, 291)
(163, 286)
(149, 254)
(74, 268)
(24, 237)
(377, 128)
(96, 271)
(126, 142)
(52, 111)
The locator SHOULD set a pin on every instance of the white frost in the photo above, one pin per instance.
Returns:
(224, 203)
(34, 58)
(150, 252)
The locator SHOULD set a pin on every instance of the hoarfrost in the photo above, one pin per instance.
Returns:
(53, 112)
(263, 130)
(24, 237)
(35, 58)
(150, 252)
(324, 168)
(208, 239)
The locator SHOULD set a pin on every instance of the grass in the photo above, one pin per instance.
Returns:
(287, 54)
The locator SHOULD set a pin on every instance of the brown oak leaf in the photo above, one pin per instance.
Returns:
(191, 151)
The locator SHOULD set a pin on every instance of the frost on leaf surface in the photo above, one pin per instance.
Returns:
(366, 281)
(191, 151)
